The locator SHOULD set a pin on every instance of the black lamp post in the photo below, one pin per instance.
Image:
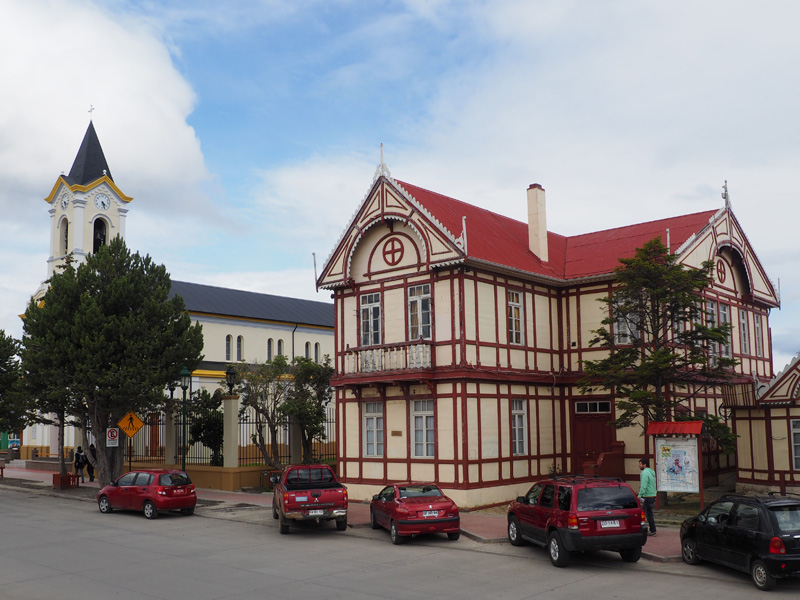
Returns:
(230, 378)
(186, 379)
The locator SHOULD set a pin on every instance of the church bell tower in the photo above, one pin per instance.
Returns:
(87, 209)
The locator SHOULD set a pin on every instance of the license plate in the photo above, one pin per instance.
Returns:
(430, 513)
(605, 524)
(180, 491)
(316, 513)
(301, 498)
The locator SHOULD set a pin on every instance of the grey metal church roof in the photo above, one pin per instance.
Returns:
(237, 303)
(90, 163)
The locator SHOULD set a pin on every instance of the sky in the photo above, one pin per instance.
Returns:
(248, 131)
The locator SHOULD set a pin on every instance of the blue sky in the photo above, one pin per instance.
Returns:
(248, 131)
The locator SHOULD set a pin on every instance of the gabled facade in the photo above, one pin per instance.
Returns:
(768, 425)
(460, 335)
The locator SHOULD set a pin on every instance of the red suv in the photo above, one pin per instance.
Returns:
(575, 514)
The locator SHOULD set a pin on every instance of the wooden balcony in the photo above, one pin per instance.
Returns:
(391, 357)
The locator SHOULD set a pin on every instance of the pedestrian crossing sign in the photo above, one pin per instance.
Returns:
(130, 424)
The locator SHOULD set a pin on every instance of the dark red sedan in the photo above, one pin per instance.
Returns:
(150, 491)
(409, 509)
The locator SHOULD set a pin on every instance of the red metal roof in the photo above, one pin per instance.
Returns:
(674, 427)
(497, 239)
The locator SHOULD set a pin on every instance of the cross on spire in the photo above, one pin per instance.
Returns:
(91, 110)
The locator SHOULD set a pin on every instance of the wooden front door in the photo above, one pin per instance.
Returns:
(592, 432)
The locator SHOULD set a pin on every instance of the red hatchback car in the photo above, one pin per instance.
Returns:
(408, 509)
(151, 491)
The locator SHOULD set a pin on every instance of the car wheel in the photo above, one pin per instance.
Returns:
(372, 521)
(150, 510)
(274, 512)
(341, 524)
(689, 551)
(283, 526)
(761, 577)
(187, 511)
(396, 538)
(513, 532)
(453, 535)
(631, 554)
(558, 554)
(104, 505)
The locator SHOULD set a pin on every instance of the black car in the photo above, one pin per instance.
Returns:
(759, 535)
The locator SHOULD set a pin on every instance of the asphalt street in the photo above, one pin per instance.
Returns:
(63, 548)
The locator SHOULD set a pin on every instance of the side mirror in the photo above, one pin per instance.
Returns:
(376, 497)
(521, 499)
(274, 479)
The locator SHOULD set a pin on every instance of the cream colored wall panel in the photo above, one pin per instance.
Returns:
(444, 427)
(354, 426)
(473, 472)
(781, 440)
(592, 313)
(394, 472)
(506, 470)
(487, 314)
(760, 439)
(352, 469)
(491, 472)
(444, 356)
(488, 357)
(371, 470)
(394, 317)
(543, 325)
(447, 474)
(422, 472)
(396, 422)
(545, 428)
(517, 358)
(472, 430)
(470, 332)
(519, 468)
(744, 447)
(443, 315)
(490, 440)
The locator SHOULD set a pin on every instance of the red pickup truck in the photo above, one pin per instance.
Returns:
(308, 493)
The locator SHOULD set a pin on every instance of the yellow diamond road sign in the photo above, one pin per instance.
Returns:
(130, 424)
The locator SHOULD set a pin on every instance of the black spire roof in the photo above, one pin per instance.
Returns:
(90, 163)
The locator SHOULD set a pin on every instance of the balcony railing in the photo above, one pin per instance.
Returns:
(392, 357)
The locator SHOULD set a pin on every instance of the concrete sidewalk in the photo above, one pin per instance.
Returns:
(487, 527)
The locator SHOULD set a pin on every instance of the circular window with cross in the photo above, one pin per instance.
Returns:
(722, 271)
(393, 251)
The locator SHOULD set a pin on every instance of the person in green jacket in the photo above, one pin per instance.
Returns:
(647, 492)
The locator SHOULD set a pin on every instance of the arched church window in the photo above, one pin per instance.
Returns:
(240, 348)
(65, 228)
(280, 347)
(228, 342)
(99, 236)
(316, 352)
(308, 349)
(269, 349)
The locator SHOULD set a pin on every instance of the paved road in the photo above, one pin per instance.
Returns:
(63, 549)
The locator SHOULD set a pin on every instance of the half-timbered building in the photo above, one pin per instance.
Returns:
(460, 333)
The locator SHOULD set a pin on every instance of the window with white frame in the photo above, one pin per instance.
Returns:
(424, 433)
(373, 429)
(518, 427)
(239, 348)
(744, 332)
(370, 319)
(419, 312)
(228, 344)
(759, 339)
(514, 317)
(796, 443)
(711, 321)
(725, 317)
(626, 329)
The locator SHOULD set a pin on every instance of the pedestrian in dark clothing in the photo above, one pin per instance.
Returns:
(89, 465)
(80, 463)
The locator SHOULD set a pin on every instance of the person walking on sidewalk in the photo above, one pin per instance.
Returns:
(647, 492)
(89, 465)
(80, 463)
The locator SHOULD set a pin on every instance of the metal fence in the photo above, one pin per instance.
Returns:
(150, 444)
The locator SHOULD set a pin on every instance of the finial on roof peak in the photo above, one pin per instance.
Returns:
(725, 195)
(91, 110)
(382, 168)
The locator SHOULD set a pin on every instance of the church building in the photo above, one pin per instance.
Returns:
(460, 335)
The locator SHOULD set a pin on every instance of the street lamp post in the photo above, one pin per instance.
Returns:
(186, 378)
(230, 379)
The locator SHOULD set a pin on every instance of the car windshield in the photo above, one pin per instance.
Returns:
(787, 518)
(172, 479)
(428, 491)
(605, 498)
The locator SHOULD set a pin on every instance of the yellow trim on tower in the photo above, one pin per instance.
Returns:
(85, 188)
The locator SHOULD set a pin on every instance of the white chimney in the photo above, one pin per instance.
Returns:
(537, 221)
